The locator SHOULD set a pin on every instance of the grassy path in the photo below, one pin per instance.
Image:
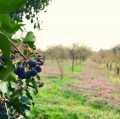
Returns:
(81, 95)
(95, 84)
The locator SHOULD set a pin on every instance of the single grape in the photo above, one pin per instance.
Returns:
(3, 115)
(32, 63)
(20, 69)
(39, 55)
(28, 75)
(40, 61)
(2, 108)
(16, 71)
(22, 75)
(38, 68)
(6, 101)
(40, 84)
(13, 118)
(33, 72)
(3, 59)
(12, 56)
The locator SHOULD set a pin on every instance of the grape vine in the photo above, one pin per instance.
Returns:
(20, 67)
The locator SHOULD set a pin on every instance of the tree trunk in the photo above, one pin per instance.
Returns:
(117, 70)
(107, 65)
(110, 66)
(73, 62)
(60, 68)
(76, 62)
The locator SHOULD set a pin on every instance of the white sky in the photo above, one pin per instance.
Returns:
(95, 23)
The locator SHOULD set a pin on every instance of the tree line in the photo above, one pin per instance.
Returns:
(110, 58)
(76, 53)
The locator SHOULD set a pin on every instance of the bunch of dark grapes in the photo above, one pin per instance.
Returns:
(3, 114)
(12, 56)
(33, 70)
(34, 67)
(39, 60)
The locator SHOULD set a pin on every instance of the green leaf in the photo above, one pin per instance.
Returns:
(26, 101)
(7, 6)
(25, 52)
(7, 72)
(4, 87)
(29, 39)
(5, 46)
(38, 77)
(29, 95)
(7, 26)
(35, 85)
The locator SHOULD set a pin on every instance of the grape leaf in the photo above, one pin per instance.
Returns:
(26, 101)
(7, 72)
(8, 27)
(7, 6)
(29, 39)
(3, 87)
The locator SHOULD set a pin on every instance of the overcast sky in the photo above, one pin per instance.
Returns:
(95, 23)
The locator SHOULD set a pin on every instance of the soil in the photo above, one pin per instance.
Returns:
(94, 84)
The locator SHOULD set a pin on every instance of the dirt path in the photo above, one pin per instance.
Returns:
(94, 84)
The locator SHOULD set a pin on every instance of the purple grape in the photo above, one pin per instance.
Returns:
(20, 69)
(33, 72)
(3, 59)
(32, 63)
(23, 75)
(40, 84)
(40, 61)
(28, 75)
(38, 68)
(16, 71)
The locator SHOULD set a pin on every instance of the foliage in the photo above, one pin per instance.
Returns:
(9, 6)
(31, 11)
(19, 67)
(78, 52)
(59, 53)
(77, 68)
(109, 58)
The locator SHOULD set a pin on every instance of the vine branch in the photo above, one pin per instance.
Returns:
(18, 50)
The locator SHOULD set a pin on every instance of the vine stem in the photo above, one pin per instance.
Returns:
(6, 108)
(20, 117)
(18, 50)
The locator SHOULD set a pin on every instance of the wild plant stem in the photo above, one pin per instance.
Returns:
(6, 108)
(18, 50)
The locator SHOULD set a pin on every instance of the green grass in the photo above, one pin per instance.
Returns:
(57, 100)
(101, 105)
(110, 74)
(112, 77)
(77, 68)
(56, 81)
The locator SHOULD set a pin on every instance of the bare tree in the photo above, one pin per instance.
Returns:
(59, 53)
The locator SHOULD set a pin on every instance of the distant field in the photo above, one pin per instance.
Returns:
(84, 94)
